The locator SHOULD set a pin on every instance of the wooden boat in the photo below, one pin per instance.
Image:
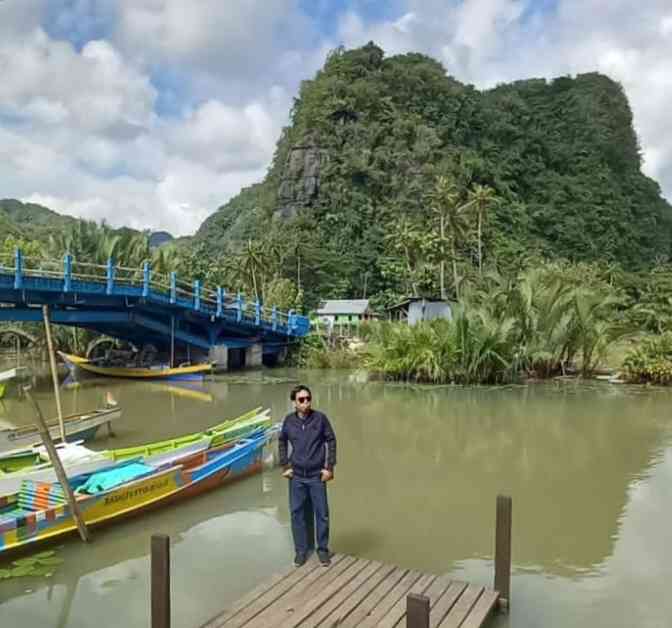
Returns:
(39, 512)
(81, 426)
(223, 434)
(183, 373)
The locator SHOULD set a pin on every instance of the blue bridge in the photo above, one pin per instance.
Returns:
(143, 308)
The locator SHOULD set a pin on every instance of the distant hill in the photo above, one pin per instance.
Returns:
(30, 220)
(35, 222)
(159, 238)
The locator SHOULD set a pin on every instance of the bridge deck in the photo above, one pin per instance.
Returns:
(354, 592)
(138, 304)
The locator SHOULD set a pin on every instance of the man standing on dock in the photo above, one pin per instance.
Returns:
(309, 468)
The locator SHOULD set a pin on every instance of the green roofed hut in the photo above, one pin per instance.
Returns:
(343, 314)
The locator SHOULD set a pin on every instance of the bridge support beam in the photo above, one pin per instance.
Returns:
(219, 356)
(254, 355)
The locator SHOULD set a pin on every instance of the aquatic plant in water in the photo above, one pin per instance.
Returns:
(39, 565)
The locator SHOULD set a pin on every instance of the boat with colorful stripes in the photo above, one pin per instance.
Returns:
(38, 512)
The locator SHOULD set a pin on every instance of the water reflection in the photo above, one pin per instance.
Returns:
(588, 466)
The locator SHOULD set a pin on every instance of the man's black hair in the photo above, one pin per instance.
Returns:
(297, 389)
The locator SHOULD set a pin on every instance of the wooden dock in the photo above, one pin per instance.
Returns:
(354, 592)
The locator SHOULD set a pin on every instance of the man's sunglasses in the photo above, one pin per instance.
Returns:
(303, 399)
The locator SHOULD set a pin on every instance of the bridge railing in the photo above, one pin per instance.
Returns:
(177, 291)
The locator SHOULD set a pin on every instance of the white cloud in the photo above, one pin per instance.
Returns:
(165, 109)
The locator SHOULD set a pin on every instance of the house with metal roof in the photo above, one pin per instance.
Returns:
(344, 312)
(415, 309)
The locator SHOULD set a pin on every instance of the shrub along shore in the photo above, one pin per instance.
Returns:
(553, 320)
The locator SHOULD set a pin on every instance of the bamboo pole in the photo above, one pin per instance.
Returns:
(52, 364)
(58, 467)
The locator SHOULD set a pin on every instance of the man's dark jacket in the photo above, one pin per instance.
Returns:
(308, 437)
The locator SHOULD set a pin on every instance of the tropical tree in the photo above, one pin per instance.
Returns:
(445, 203)
(481, 197)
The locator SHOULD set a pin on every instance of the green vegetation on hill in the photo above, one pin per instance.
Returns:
(370, 135)
(29, 220)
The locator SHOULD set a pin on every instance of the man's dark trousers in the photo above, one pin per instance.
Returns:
(305, 491)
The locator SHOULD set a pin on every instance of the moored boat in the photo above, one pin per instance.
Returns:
(82, 426)
(39, 512)
(37, 467)
(193, 372)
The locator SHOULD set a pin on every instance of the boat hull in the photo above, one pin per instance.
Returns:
(82, 426)
(177, 374)
(163, 487)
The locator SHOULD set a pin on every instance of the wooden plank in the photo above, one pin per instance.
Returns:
(300, 594)
(355, 619)
(348, 598)
(417, 611)
(218, 619)
(446, 602)
(398, 612)
(482, 609)
(269, 598)
(341, 596)
(253, 595)
(463, 607)
(319, 598)
(414, 582)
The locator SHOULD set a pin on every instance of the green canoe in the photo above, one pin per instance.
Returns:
(220, 434)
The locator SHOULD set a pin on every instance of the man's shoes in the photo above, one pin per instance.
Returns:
(325, 558)
(299, 559)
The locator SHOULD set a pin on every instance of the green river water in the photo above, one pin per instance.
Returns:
(589, 468)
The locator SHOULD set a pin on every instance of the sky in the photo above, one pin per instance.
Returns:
(153, 113)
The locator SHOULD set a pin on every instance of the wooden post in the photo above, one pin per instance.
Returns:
(52, 364)
(503, 551)
(160, 581)
(417, 611)
(58, 467)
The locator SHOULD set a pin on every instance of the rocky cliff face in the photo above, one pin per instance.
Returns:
(300, 180)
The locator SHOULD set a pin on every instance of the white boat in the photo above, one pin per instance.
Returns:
(10, 374)
(81, 426)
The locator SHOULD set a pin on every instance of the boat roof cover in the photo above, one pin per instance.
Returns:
(105, 480)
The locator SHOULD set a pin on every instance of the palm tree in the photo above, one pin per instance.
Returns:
(252, 264)
(481, 197)
(406, 238)
(444, 200)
